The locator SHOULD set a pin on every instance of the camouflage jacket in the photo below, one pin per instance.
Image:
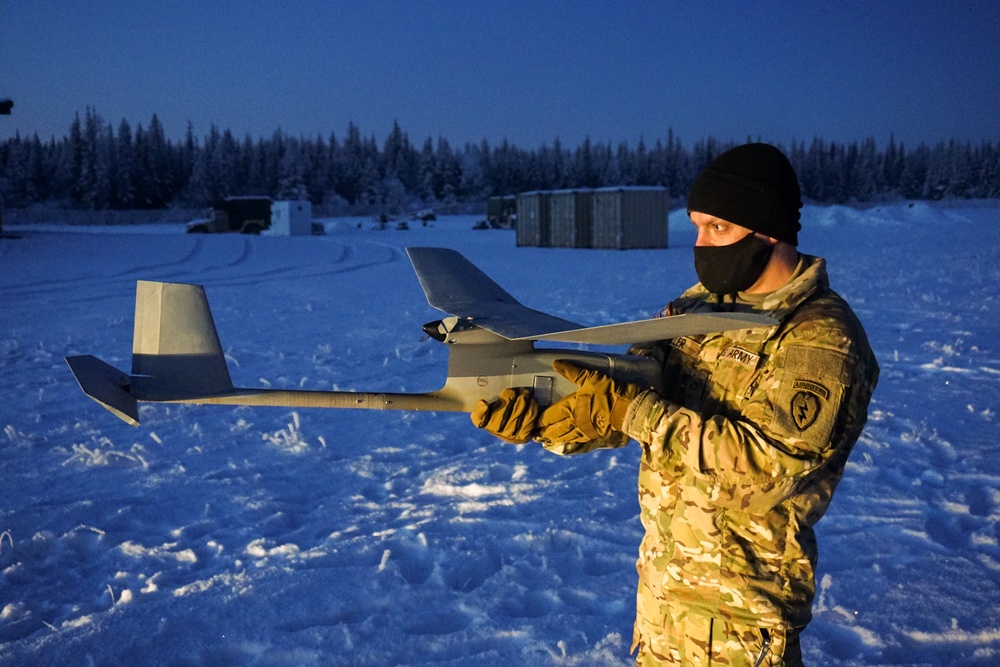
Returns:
(742, 449)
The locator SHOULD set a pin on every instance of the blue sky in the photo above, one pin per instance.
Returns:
(525, 71)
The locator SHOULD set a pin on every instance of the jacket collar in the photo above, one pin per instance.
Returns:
(810, 277)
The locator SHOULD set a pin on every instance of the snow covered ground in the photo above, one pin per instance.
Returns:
(266, 536)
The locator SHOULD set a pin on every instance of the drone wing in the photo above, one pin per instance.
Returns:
(455, 285)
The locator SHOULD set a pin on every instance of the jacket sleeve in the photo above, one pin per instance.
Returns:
(754, 458)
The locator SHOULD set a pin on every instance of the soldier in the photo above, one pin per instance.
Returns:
(744, 442)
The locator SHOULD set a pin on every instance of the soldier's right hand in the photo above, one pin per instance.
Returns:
(512, 417)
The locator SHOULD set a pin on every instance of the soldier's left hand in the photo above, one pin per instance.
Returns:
(512, 416)
(594, 410)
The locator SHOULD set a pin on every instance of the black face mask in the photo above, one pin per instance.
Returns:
(732, 268)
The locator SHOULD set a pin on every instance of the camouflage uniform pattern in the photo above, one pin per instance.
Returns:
(743, 446)
(691, 640)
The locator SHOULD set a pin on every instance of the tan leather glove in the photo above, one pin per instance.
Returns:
(512, 417)
(593, 411)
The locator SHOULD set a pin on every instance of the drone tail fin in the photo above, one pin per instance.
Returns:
(175, 342)
(105, 384)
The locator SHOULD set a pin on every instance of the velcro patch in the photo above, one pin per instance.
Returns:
(819, 362)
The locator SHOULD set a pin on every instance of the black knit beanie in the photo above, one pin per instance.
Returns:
(753, 186)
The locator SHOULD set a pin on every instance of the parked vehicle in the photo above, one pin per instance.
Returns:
(246, 215)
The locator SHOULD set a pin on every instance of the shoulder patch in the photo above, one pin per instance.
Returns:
(804, 409)
(807, 403)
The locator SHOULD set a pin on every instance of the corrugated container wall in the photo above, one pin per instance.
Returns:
(630, 217)
(533, 219)
(570, 217)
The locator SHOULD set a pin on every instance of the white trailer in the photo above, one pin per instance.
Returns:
(290, 218)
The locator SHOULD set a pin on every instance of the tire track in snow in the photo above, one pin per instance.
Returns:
(88, 284)
(197, 250)
(228, 274)
(185, 273)
(349, 253)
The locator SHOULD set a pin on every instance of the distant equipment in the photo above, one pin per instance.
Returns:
(501, 212)
(425, 215)
(256, 215)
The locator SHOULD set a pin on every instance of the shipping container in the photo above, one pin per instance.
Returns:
(533, 219)
(570, 217)
(630, 217)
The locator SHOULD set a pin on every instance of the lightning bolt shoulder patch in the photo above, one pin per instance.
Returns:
(807, 394)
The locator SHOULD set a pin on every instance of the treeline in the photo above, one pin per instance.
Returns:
(99, 166)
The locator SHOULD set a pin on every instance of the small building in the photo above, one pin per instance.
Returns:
(630, 217)
(290, 218)
(533, 227)
(571, 218)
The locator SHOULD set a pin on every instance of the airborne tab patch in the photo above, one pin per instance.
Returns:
(812, 387)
